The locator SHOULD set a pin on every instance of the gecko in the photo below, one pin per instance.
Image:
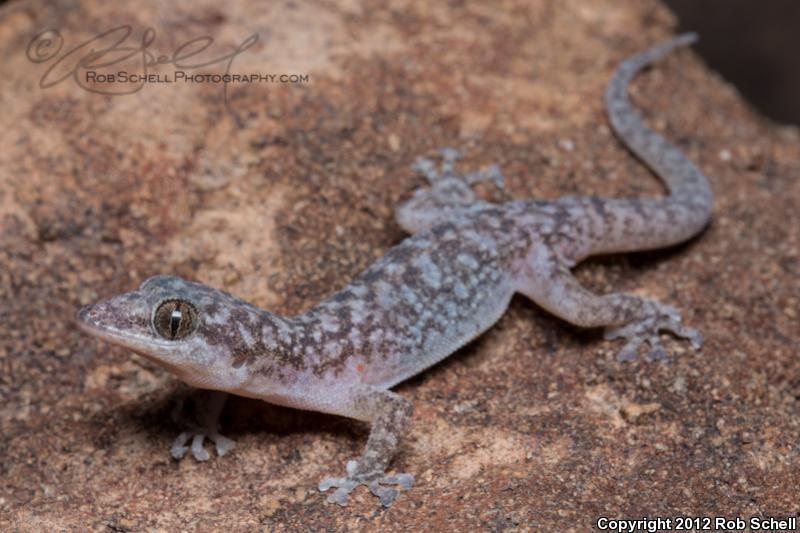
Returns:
(425, 298)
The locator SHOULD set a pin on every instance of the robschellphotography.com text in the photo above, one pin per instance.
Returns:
(696, 523)
(179, 76)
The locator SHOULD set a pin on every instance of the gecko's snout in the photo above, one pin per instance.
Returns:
(86, 316)
(93, 318)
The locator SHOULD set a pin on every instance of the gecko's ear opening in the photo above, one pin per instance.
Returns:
(175, 319)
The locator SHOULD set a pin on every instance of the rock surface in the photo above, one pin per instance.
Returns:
(283, 192)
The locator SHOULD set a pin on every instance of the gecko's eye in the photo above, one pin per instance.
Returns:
(175, 319)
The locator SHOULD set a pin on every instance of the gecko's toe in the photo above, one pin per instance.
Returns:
(222, 443)
(198, 452)
(496, 176)
(427, 168)
(179, 448)
(630, 351)
(343, 486)
(422, 164)
(657, 351)
(673, 324)
(694, 337)
(450, 154)
(404, 480)
(449, 158)
(385, 494)
(339, 496)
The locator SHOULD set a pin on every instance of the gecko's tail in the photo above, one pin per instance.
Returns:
(686, 183)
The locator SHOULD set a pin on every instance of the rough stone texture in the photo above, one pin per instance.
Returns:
(287, 193)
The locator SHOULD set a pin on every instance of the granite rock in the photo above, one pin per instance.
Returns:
(282, 192)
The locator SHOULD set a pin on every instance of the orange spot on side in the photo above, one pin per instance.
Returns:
(360, 367)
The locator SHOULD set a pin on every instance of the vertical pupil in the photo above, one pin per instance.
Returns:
(175, 321)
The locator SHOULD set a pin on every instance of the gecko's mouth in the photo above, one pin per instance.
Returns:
(87, 321)
(90, 319)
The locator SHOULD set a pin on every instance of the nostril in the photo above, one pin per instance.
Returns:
(86, 313)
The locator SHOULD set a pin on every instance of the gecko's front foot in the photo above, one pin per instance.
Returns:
(375, 481)
(207, 427)
(197, 436)
(658, 318)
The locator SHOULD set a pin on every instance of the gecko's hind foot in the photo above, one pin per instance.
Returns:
(449, 158)
(197, 436)
(374, 481)
(659, 318)
(446, 170)
(427, 168)
(491, 173)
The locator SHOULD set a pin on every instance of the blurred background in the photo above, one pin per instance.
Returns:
(754, 44)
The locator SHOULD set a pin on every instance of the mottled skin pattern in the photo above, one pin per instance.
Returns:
(431, 294)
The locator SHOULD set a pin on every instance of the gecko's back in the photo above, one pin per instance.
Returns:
(423, 300)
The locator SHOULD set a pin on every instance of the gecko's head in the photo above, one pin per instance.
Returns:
(176, 323)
